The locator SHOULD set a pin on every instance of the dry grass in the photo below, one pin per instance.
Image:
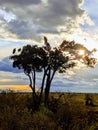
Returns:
(66, 111)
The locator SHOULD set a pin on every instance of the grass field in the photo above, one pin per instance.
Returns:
(67, 111)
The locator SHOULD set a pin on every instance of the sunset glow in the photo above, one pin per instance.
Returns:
(16, 87)
(81, 52)
(27, 22)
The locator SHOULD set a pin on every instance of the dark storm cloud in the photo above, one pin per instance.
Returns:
(65, 7)
(24, 30)
(21, 28)
(32, 20)
(58, 11)
(20, 2)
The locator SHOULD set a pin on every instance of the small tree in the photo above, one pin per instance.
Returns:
(34, 59)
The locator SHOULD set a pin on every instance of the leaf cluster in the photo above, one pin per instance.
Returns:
(31, 58)
(35, 58)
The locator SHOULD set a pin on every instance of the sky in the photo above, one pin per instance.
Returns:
(27, 21)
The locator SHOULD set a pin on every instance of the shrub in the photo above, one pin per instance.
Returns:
(89, 100)
(43, 119)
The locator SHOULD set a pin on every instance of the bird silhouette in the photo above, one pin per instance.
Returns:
(47, 45)
(45, 39)
(19, 49)
(14, 50)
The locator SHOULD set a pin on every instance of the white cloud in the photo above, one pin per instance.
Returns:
(85, 19)
(33, 20)
(8, 16)
(9, 78)
(51, 17)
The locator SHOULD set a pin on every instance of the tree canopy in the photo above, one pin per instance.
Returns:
(32, 59)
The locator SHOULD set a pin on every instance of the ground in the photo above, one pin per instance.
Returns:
(67, 111)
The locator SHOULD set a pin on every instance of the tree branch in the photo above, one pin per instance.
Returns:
(30, 79)
(34, 78)
(43, 81)
(52, 76)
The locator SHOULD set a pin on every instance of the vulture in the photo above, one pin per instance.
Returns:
(47, 45)
(14, 50)
(19, 49)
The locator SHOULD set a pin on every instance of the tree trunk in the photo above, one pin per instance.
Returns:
(47, 89)
(33, 79)
(42, 86)
(48, 85)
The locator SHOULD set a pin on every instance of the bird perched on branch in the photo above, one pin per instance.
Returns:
(47, 45)
(14, 50)
(19, 49)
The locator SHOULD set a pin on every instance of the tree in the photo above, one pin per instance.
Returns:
(34, 59)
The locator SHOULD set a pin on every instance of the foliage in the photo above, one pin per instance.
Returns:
(89, 100)
(70, 113)
(49, 60)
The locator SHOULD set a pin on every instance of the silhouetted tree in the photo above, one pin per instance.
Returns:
(49, 60)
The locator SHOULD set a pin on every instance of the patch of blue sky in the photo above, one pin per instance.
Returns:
(91, 7)
(7, 46)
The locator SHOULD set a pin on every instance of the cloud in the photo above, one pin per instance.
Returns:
(20, 2)
(31, 21)
(85, 19)
(9, 78)
(53, 18)
(86, 75)
(92, 9)
(6, 65)
(56, 12)
(84, 80)
(22, 29)
(8, 16)
(10, 75)
(7, 46)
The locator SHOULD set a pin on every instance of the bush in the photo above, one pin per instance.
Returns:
(89, 100)
(43, 119)
(64, 113)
